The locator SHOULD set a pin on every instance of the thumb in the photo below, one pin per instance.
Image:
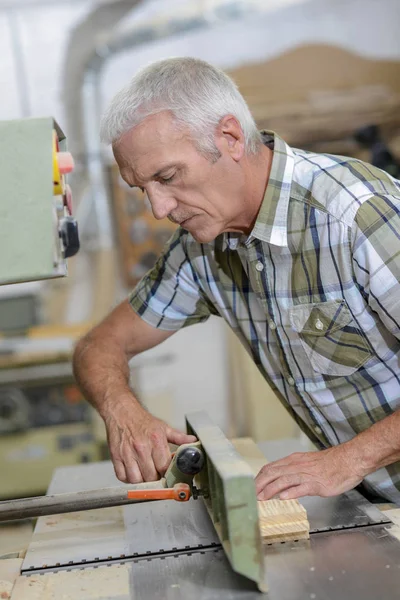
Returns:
(178, 437)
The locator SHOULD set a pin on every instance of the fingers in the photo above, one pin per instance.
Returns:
(296, 457)
(292, 464)
(143, 451)
(143, 454)
(133, 472)
(126, 468)
(299, 491)
(178, 437)
(279, 485)
(119, 469)
(161, 453)
(266, 476)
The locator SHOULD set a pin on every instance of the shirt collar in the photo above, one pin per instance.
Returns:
(271, 223)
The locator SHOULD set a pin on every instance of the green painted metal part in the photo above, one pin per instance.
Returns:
(230, 497)
(30, 247)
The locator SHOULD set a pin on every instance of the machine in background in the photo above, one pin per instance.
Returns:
(38, 231)
(44, 421)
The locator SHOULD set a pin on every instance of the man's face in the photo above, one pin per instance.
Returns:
(206, 198)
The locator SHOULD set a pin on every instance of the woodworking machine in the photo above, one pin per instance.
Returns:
(206, 547)
(38, 231)
(223, 479)
(195, 534)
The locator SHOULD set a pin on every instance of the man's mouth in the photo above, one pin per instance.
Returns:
(181, 222)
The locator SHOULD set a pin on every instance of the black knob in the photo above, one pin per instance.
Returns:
(69, 235)
(190, 460)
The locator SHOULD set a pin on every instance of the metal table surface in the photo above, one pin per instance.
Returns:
(156, 527)
(166, 550)
(357, 564)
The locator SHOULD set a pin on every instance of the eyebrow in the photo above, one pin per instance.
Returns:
(164, 168)
(158, 173)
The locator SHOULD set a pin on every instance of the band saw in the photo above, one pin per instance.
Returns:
(204, 544)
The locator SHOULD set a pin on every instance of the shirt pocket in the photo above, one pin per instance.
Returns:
(330, 337)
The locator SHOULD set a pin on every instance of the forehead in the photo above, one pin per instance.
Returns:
(157, 138)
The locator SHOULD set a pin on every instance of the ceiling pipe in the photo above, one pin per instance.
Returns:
(83, 107)
(79, 91)
(82, 99)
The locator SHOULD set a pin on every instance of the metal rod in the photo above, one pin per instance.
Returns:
(24, 508)
(20, 70)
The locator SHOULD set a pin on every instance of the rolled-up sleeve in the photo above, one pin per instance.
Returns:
(169, 297)
(376, 257)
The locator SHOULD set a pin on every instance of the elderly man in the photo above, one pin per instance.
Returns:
(298, 252)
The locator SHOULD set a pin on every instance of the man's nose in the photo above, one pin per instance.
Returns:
(161, 204)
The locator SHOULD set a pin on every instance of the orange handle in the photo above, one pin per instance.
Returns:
(180, 492)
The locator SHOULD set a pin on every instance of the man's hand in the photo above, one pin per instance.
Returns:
(138, 442)
(324, 473)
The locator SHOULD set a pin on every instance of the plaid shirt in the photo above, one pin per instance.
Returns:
(313, 293)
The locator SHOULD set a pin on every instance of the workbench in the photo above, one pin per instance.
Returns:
(168, 550)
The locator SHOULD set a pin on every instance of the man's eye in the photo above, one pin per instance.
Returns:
(167, 180)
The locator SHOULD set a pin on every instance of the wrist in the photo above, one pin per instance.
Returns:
(360, 455)
(117, 402)
(365, 454)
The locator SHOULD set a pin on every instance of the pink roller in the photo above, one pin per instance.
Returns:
(65, 162)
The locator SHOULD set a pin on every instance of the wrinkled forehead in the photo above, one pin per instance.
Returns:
(156, 134)
(152, 146)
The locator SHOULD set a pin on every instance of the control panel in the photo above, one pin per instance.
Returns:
(38, 230)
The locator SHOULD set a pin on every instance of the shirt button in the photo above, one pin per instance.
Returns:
(259, 266)
(317, 429)
(272, 325)
(290, 381)
(319, 324)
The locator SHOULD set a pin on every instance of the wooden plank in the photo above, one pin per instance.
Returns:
(15, 539)
(250, 452)
(309, 103)
(393, 513)
(280, 520)
(10, 569)
(248, 417)
(89, 584)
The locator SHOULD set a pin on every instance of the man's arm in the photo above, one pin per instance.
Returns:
(138, 441)
(335, 470)
(376, 263)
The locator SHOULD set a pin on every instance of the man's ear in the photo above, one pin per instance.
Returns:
(230, 138)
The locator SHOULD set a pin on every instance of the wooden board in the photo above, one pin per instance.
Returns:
(9, 571)
(280, 520)
(14, 539)
(283, 521)
(319, 93)
(88, 584)
(393, 513)
(248, 418)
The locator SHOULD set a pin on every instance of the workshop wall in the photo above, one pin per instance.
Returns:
(34, 35)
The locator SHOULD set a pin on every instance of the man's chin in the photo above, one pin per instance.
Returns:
(202, 237)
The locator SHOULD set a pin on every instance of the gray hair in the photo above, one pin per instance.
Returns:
(196, 93)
